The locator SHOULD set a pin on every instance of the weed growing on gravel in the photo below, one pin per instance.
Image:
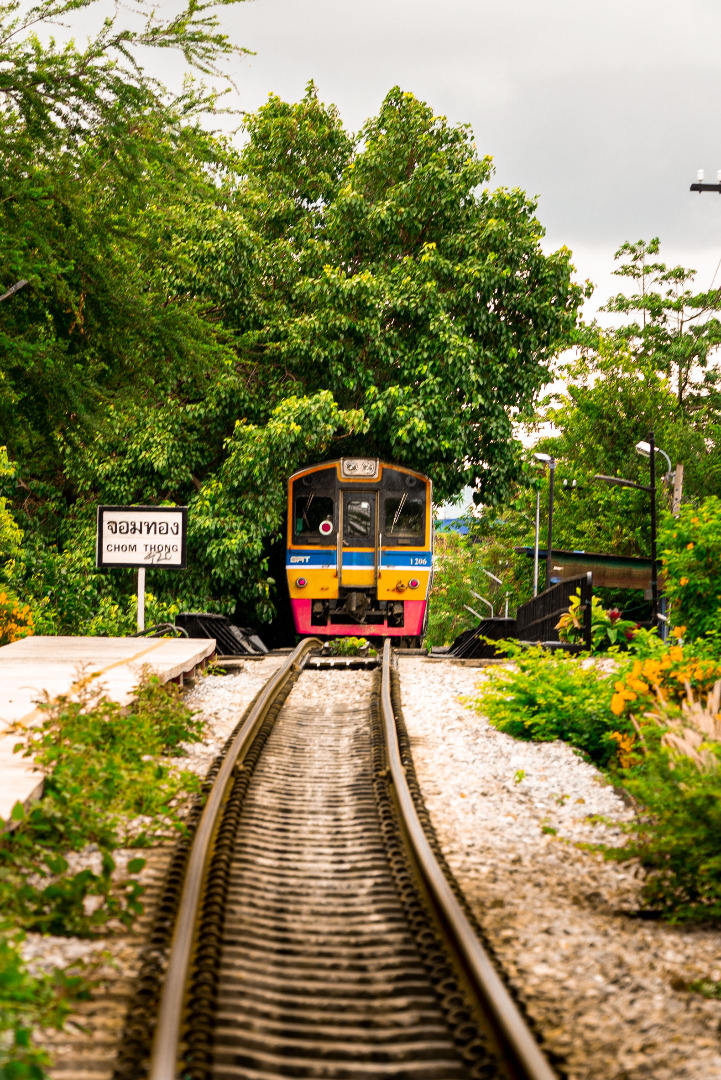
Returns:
(653, 724)
(707, 987)
(29, 1001)
(350, 646)
(103, 767)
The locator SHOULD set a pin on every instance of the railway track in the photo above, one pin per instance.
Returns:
(317, 935)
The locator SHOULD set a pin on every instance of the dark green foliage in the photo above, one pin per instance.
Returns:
(458, 572)
(27, 1001)
(656, 369)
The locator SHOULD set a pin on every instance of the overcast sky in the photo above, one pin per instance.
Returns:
(605, 110)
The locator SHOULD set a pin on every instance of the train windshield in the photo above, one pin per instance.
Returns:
(359, 517)
(405, 518)
(313, 515)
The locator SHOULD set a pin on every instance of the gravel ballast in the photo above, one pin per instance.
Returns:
(605, 989)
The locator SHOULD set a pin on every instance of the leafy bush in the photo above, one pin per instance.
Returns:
(550, 695)
(457, 574)
(676, 834)
(666, 675)
(103, 768)
(30, 1001)
(691, 549)
(66, 594)
(10, 534)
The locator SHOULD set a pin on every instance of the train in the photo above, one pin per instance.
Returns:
(359, 549)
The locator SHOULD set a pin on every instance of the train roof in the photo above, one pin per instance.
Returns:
(359, 468)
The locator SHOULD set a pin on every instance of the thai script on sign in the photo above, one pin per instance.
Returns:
(148, 528)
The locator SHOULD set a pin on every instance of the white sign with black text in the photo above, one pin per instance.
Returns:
(142, 536)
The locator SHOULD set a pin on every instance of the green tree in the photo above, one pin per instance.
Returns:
(405, 285)
(673, 330)
(691, 549)
(215, 320)
(657, 371)
(10, 534)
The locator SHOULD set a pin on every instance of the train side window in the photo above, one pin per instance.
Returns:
(314, 515)
(405, 519)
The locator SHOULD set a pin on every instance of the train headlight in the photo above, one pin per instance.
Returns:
(413, 583)
(301, 582)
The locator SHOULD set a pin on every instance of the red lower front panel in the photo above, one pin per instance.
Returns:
(414, 612)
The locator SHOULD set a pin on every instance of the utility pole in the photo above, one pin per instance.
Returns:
(677, 491)
(549, 558)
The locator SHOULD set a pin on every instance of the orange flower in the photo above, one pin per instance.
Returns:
(689, 547)
(683, 581)
(679, 631)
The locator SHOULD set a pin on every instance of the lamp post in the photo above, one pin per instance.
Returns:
(649, 450)
(546, 459)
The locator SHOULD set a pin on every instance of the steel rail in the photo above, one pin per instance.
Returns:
(512, 1028)
(164, 1054)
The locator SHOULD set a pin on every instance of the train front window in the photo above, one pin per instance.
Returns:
(357, 518)
(313, 515)
(405, 518)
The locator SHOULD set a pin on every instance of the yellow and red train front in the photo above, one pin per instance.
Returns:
(359, 548)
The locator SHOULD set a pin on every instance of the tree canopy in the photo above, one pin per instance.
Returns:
(656, 370)
(200, 320)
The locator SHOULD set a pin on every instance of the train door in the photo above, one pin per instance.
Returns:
(357, 539)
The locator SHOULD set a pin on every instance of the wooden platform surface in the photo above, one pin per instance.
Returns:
(34, 666)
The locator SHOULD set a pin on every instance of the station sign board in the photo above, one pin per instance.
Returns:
(142, 536)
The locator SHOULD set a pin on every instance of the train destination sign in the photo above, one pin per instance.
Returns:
(142, 536)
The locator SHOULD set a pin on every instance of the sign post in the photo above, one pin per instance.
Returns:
(141, 598)
(141, 536)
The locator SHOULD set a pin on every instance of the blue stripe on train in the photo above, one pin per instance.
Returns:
(326, 560)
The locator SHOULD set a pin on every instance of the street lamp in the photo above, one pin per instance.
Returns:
(545, 459)
(646, 449)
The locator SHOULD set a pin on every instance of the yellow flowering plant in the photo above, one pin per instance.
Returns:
(668, 674)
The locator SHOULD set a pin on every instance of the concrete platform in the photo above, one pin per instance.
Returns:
(55, 665)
